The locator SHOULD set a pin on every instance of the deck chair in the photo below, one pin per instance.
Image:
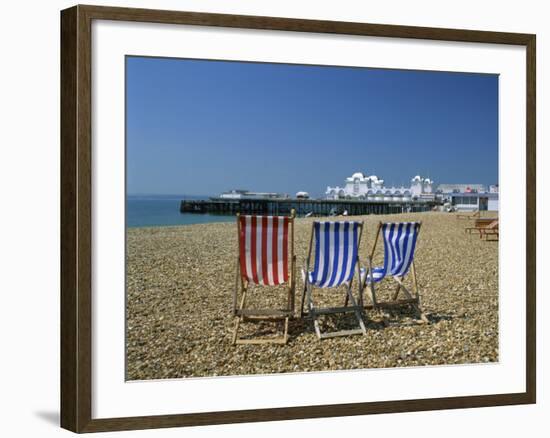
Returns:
(488, 232)
(336, 261)
(484, 228)
(400, 241)
(475, 214)
(266, 250)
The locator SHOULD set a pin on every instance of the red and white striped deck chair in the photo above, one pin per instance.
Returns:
(266, 258)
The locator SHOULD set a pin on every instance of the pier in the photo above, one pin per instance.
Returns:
(313, 207)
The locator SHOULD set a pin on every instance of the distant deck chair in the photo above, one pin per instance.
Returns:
(474, 214)
(488, 232)
(336, 261)
(400, 241)
(266, 250)
(484, 229)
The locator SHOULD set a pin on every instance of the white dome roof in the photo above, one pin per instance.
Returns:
(358, 175)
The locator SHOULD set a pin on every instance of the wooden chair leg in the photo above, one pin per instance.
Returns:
(315, 322)
(417, 293)
(303, 300)
(415, 281)
(357, 312)
(239, 318)
(243, 300)
(396, 293)
(349, 285)
(237, 281)
(292, 285)
(419, 313)
(375, 304)
(373, 295)
(236, 329)
(316, 326)
(309, 299)
(311, 312)
(369, 294)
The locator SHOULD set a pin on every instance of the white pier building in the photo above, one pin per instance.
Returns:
(362, 187)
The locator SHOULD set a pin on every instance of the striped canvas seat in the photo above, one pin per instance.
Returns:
(335, 253)
(263, 246)
(400, 241)
(399, 245)
(265, 258)
(336, 259)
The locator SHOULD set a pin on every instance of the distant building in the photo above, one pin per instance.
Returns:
(468, 197)
(461, 188)
(302, 195)
(245, 194)
(360, 186)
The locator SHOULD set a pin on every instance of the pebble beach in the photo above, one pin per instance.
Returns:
(180, 282)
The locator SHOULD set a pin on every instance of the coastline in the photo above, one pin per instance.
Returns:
(179, 289)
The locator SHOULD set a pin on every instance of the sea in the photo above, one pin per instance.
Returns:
(164, 210)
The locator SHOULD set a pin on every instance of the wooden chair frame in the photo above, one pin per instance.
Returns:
(474, 215)
(489, 232)
(242, 314)
(313, 312)
(411, 299)
(490, 228)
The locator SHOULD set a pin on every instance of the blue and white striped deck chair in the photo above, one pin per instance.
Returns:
(400, 240)
(336, 262)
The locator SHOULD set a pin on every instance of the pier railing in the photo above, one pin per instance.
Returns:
(313, 207)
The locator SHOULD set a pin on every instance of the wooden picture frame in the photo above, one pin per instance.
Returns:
(76, 218)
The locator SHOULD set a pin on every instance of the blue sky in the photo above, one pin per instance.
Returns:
(202, 127)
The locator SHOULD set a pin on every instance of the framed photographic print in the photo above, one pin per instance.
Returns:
(270, 218)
